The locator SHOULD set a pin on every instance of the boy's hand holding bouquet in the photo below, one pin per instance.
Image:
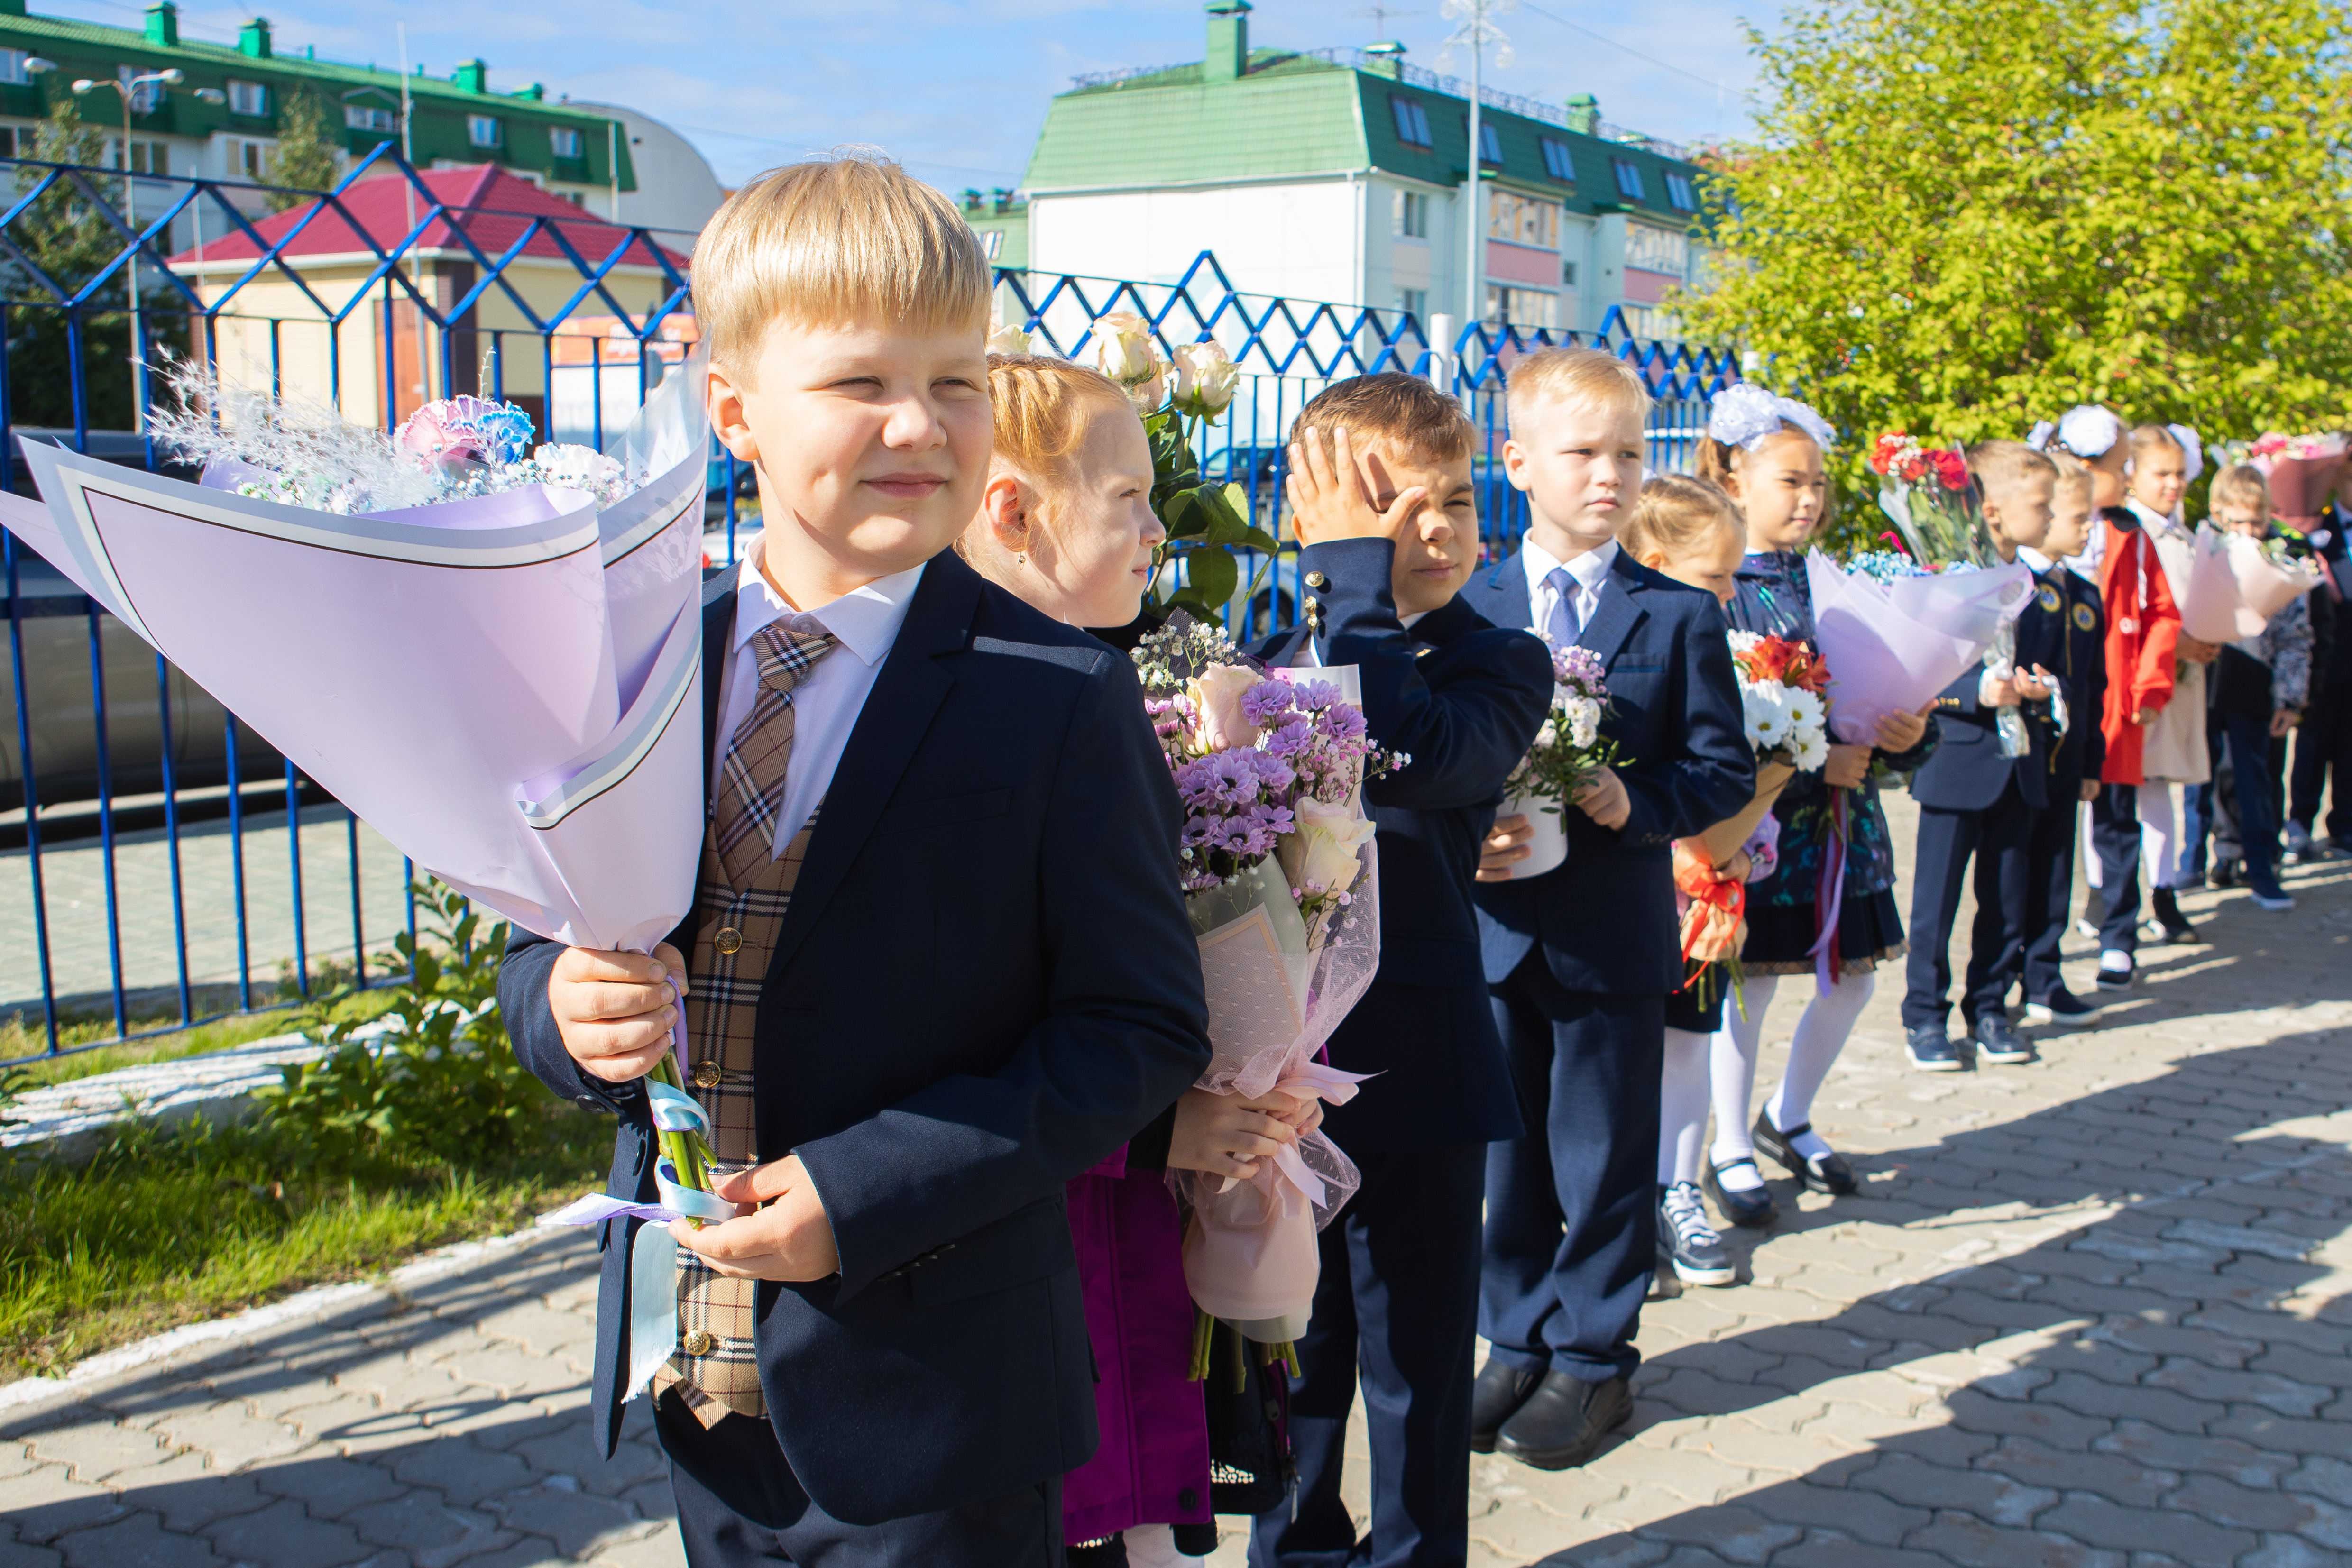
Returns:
(1570, 763)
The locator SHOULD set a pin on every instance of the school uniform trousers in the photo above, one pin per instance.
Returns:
(1396, 1308)
(1579, 961)
(2076, 755)
(2323, 741)
(1975, 801)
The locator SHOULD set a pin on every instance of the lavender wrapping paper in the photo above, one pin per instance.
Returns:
(1891, 648)
(494, 684)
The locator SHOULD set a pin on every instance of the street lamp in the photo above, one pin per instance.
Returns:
(128, 88)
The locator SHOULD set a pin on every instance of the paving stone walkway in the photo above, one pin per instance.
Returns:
(2095, 1312)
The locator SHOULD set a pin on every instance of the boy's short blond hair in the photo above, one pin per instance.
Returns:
(1405, 412)
(2074, 474)
(830, 242)
(2001, 467)
(1581, 377)
(2240, 485)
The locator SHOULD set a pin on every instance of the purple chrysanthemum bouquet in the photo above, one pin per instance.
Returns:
(1280, 877)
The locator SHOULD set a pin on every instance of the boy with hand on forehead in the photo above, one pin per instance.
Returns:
(905, 1015)
(1579, 960)
(1384, 511)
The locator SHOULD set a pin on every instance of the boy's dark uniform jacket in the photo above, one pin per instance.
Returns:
(1967, 772)
(985, 984)
(1464, 698)
(1606, 919)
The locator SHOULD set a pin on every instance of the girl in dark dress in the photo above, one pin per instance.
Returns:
(1829, 909)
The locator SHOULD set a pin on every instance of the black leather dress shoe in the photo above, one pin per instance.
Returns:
(1496, 1397)
(1828, 1174)
(1566, 1422)
(1753, 1207)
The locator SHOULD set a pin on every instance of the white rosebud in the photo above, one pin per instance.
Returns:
(1216, 696)
(1008, 341)
(1323, 855)
(1206, 379)
(1124, 350)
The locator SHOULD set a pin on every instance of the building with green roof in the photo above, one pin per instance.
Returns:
(1340, 175)
(578, 152)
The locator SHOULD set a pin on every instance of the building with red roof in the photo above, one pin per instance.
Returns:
(543, 249)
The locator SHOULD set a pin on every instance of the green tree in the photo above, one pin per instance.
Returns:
(306, 149)
(1962, 215)
(70, 240)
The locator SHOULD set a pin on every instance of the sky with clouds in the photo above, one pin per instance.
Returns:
(958, 91)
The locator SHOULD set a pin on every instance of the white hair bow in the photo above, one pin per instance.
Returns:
(2192, 448)
(2088, 431)
(1744, 415)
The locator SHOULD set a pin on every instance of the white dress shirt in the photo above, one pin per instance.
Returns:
(1590, 569)
(827, 703)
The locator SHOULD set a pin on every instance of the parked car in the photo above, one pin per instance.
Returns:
(52, 623)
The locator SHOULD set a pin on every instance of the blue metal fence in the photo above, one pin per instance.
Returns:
(448, 301)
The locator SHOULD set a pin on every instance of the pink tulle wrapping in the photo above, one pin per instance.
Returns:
(1250, 1253)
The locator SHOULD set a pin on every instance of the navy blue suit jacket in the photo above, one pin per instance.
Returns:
(1606, 919)
(1967, 772)
(985, 984)
(1464, 698)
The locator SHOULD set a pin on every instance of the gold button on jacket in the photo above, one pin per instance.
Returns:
(729, 940)
(698, 1342)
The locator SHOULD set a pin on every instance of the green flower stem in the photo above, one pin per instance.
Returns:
(687, 1152)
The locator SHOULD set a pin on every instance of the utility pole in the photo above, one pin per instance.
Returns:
(129, 87)
(1477, 30)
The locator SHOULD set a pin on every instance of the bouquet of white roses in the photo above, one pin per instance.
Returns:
(1568, 751)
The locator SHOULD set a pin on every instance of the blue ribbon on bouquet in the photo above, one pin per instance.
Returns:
(673, 1111)
(653, 1255)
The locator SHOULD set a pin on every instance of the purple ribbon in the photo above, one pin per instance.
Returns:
(1829, 896)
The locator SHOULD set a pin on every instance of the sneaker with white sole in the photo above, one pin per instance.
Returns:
(1687, 1241)
(2273, 900)
(2061, 1009)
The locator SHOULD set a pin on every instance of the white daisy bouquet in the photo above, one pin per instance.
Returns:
(1788, 723)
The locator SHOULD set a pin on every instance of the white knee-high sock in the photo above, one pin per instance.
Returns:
(2159, 834)
(1731, 1075)
(1822, 1033)
(1682, 1105)
(2087, 854)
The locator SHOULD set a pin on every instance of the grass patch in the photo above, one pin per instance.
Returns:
(178, 1225)
(85, 1024)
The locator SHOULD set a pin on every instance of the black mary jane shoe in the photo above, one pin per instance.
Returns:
(1829, 1174)
(1753, 1209)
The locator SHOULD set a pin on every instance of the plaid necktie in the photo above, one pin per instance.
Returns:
(750, 793)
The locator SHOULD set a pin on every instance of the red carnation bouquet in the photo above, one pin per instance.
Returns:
(1927, 492)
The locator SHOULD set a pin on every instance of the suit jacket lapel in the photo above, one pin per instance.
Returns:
(1283, 651)
(1505, 599)
(1614, 618)
(1447, 621)
(906, 694)
(718, 635)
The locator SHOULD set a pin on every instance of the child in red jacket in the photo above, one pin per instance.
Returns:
(2142, 638)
